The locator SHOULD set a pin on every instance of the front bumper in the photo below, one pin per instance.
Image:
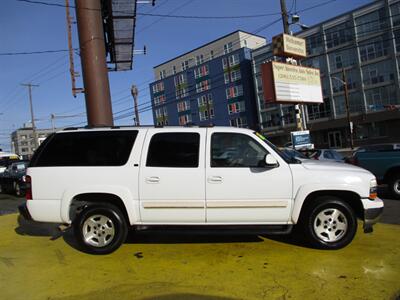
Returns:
(23, 210)
(373, 210)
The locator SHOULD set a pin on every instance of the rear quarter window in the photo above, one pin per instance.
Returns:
(96, 148)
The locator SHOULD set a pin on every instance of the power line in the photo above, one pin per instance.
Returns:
(161, 15)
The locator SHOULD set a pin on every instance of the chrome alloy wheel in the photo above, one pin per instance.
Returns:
(330, 225)
(396, 186)
(98, 230)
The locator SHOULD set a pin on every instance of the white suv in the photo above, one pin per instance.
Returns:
(102, 181)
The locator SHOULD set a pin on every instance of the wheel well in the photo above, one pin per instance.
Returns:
(351, 198)
(391, 172)
(81, 200)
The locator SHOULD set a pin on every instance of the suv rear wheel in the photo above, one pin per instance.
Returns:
(330, 224)
(394, 186)
(100, 228)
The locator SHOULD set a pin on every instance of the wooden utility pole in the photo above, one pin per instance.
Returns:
(346, 97)
(94, 65)
(285, 21)
(135, 94)
(29, 86)
(74, 74)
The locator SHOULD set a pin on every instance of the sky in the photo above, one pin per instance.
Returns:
(26, 27)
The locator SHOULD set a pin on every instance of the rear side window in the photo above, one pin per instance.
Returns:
(174, 150)
(96, 148)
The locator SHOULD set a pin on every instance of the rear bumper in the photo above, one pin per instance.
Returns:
(372, 212)
(23, 211)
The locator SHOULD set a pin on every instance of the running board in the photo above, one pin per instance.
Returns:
(218, 229)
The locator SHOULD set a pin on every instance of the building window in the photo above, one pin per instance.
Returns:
(202, 101)
(211, 54)
(183, 106)
(206, 108)
(163, 74)
(159, 100)
(204, 114)
(314, 44)
(158, 87)
(236, 107)
(232, 76)
(377, 98)
(185, 65)
(373, 49)
(179, 80)
(228, 48)
(372, 22)
(318, 111)
(395, 8)
(234, 91)
(23, 137)
(232, 59)
(199, 59)
(377, 73)
(181, 88)
(185, 119)
(339, 35)
(288, 114)
(174, 69)
(201, 71)
(238, 122)
(202, 86)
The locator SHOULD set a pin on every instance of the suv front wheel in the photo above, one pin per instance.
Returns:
(330, 224)
(100, 228)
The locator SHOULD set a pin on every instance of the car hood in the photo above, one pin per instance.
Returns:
(311, 164)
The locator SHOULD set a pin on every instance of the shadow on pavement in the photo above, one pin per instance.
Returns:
(187, 237)
(187, 296)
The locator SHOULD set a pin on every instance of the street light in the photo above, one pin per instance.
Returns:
(346, 97)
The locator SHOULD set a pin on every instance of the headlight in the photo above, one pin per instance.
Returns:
(373, 189)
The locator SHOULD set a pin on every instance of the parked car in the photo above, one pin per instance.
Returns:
(102, 181)
(328, 155)
(6, 159)
(12, 180)
(384, 162)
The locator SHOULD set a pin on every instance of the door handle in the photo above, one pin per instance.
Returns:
(152, 179)
(215, 179)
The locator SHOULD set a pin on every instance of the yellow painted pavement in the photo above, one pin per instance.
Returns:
(36, 264)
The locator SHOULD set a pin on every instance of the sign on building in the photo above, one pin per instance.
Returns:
(286, 83)
(289, 46)
(301, 140)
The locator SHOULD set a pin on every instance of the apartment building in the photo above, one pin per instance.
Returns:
(365, 43)
(210, 84)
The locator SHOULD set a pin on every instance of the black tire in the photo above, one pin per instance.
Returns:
(107, 235)
(338, 232)
(394, 186)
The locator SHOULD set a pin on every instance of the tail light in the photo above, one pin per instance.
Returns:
(355, 161)
(316, 157)
(28, 187)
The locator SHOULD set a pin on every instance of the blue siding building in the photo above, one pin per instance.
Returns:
(213, 86)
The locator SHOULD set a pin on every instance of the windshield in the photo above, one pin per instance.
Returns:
(285, 156)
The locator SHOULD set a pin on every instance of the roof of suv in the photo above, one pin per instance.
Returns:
(75, 129)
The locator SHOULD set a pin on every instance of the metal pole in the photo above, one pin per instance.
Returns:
(94, 66)
(346, 97)
(30, 85)
(135, 94)
(285, 21)
(52, 117)
(285, 18)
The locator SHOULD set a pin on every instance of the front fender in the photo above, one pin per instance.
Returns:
(131, 205)
(307, 189)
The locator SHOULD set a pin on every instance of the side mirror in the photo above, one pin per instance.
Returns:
(270, 161)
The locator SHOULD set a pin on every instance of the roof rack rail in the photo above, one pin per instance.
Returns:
(207, 125)
(70, 128)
